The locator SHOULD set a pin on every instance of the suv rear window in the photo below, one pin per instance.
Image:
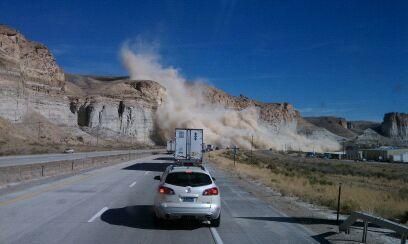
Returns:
(188, 179)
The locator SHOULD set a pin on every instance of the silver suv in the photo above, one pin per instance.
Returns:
(187, 191)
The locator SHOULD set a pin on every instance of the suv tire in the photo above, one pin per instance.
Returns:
(216, 222)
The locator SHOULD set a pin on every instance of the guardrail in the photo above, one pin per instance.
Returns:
(25, 172)
(368, 218)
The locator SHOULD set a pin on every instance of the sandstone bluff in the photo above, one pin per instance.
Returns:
(87, 108)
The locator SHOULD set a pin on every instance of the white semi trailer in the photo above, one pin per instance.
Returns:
(189, 145)
(171, 146)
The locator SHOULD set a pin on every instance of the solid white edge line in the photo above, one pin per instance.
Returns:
(133, 184)
(98, 214)
(215, 235)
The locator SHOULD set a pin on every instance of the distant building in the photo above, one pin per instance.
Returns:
(386, 154)
(353, 152)
(335, 155)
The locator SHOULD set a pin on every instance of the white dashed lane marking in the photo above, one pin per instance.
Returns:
(133, 184)
(98, 214)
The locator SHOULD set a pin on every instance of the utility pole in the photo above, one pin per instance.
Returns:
(97, 135)
(131, 141)
(252, 142)
(39, 131)
(344, 151)
(235, 149)
(145, 129)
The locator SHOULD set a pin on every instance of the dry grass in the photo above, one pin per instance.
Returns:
(381, 189)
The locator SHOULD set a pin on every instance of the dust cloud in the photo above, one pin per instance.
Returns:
(186, 106)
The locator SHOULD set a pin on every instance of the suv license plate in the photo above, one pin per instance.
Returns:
(188, 199)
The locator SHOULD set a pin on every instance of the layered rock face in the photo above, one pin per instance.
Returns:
(336, 125)
(31, 61)
(276, 114)
(115, 107)
(123, 107)
(395, 125)
(31, 81)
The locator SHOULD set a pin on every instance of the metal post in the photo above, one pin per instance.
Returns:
(338, 203)
(365, 232)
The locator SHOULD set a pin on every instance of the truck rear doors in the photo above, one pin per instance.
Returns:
(189, 145)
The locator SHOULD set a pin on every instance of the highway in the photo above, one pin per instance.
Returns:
(114, 205)
(45, 158)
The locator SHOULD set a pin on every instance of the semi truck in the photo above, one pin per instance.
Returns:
(171, 146)
(189, 145)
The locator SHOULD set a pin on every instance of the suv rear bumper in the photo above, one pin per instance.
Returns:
(200, 211)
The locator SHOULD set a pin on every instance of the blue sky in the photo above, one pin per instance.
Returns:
(343, 58)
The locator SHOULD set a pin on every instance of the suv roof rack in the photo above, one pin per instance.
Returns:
(187, 164)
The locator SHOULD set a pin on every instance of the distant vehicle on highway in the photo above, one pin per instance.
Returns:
(327, 156)
(171, 146)
(189, 145)
(187, 192)
(69, 150)
(310, 155)
(209, 148)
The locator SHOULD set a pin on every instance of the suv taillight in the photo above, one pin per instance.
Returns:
(211, 192)
(166, 190)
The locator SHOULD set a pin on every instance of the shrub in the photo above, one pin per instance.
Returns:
(403, 193)
(325, 182)
(348, 206)
(404, 217)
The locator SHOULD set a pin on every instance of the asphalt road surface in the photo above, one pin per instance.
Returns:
(114, 205)
(44, 158)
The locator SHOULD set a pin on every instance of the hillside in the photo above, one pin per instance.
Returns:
(335, 125)
(109, 110)
(101, 109)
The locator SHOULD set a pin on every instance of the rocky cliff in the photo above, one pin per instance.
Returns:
(277, 114)
(31, 61)
(90, 107)
(117, 106)
(31, 82)
(395, 125)
(336, 125)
